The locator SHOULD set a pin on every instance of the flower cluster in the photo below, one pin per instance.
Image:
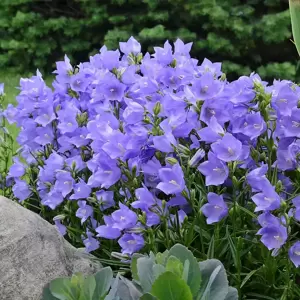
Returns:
(130, 142)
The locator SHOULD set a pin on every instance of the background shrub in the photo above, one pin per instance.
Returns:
(252, 35)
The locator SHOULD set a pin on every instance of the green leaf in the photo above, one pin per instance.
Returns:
(168, 286)
(158, 270)
(161, 258)
(88, 288)
(214, 280)
(194, 274)
(211, 248)
(145, 273)
(103, 282)
(174, 265)
(295, 19)
(134, 270)
(61, 288)
(185, 273)
(148, 296)
(248, 277)
(47, 293)
(232, 247)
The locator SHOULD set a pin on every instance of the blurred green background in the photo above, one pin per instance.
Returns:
(245, 35)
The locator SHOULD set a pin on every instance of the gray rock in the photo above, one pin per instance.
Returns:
(32, 253)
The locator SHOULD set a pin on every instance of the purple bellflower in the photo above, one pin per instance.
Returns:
(216, 209)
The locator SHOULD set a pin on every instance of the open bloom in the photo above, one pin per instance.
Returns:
(214, 170)
(172, 180)
(294, 254)
(273, 236)
(257, 178)
(90, 242)
(227, 149)
(267, 200)
(216, 209)
(131, 242)
(84, 211)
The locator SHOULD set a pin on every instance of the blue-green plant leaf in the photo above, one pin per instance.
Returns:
(145, 273)
(158, 270)
(169, 286)
(232, 294)
(214, 280)
(112, 295)
(47, 295)
(61, 288)
(194, 274)
(134, 270)
(88, 288)
(103, 282)
(127, 290)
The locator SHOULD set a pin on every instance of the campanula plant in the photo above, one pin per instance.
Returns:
(135, 153)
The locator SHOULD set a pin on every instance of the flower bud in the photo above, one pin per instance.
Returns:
(59, 218)
(135, 183)
(120, 256)
(157, 108)
(283, 204)
(173, 63)
(82, 119)
(193, 194)
(172, 161)
(279, 186)
(147, 120)
(143, 218)
(183, 149)
(136, 230)
(91, 200)
(197, 157)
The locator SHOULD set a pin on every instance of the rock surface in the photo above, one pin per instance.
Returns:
(32, 253)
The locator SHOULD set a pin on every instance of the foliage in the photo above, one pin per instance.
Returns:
(6, 150)
(245, 35)
(171, 275)
(133, 153)
(295, 18)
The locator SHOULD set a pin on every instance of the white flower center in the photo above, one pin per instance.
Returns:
(295, 124)
(282, 100)
(132, 242)
(230, 150)
(278, 238)
(174, 182)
